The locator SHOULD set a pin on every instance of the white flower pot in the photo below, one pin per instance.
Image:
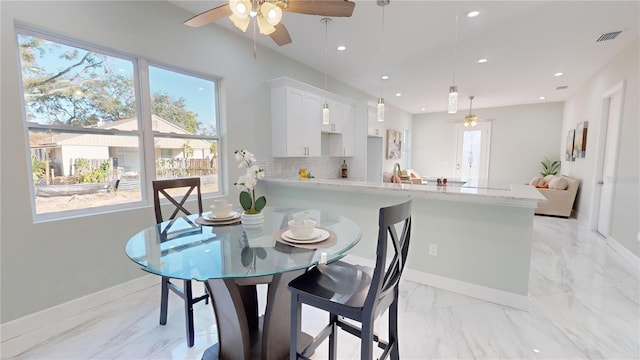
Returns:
(252, 219)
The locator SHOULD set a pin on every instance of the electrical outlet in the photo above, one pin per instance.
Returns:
(433, 249)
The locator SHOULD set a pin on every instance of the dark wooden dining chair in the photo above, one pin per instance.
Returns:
(356, 292)
(185, 187)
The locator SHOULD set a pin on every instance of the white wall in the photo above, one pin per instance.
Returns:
(394, 119)
(521, 136)
(586, 105)
(49, 263)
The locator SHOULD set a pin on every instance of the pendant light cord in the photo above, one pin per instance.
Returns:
(455, 49)
(382, 49)
(326, 25)
(255, 52)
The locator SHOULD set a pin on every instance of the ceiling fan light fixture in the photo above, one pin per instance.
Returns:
(271, 12)
(264, 26)
(470, 120)
(453, 99)
(240, 8)
(240, 23)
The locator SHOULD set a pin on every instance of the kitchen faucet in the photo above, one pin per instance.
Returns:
(396, 170)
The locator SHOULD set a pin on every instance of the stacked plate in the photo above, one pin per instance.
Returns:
(233, 217)
(316, 235)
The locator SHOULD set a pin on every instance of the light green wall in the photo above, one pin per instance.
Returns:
(521, 136)
(482, 244)
(46, 264)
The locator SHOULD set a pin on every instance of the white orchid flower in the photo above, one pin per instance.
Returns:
(249, 156)
(250, 183)
(253, 170)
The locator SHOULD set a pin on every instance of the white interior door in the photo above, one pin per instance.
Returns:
(608, 172)
(472, 154)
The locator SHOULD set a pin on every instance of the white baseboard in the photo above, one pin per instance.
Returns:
(23, 333)
(500, 297)
(625, 253)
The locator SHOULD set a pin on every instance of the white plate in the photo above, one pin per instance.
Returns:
(317, 236)
(233, 215)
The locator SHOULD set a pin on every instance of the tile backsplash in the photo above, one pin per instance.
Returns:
(320, 167)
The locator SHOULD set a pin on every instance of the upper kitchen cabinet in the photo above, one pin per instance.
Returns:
(296, 119)
(335, 118)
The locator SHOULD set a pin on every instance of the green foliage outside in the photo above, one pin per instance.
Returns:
(88, 174)
(549, 167)
(38, 167)
(85, 88)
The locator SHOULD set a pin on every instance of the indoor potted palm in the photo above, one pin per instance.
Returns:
(549, 167)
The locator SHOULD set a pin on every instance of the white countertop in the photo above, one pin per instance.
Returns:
(511, 195)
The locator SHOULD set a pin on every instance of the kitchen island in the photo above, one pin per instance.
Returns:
(471, 240)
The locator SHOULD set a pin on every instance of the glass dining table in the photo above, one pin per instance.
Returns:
(233, 259)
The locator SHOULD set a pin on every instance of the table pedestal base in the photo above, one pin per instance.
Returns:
(235, 305)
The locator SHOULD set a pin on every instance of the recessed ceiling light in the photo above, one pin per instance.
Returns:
(423, 109)
(398, 94)
(342, 48)
(473, 14)
(558, 74)
(542, 98)
(482, 61)
(385, 77)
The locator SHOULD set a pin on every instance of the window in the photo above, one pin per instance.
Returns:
(85, 128)
(406, 149)
(185, 137)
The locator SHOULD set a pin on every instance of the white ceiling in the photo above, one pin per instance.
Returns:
(525, 42)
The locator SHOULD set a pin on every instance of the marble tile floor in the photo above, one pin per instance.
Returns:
(584, 304)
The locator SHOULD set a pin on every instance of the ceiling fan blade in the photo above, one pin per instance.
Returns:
(281, 35)
(336, 8)
(209, 16)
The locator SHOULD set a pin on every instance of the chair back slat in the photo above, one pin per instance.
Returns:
(160, 188)
(387, 276)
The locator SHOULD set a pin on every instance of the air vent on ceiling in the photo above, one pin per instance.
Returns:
(562, 87)
(608, 36)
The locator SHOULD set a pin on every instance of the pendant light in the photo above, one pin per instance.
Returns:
(470, 120)
(325, 107)
(453, 89)
(380, 107)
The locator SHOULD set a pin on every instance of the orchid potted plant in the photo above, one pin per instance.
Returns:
(247, 183)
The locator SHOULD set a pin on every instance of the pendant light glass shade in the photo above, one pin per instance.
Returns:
(325, 114)
(453, 99)
(380, 116)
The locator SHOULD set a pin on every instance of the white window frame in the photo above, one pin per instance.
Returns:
(144, 132)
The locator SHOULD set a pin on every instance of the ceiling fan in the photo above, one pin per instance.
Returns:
(268, 13)
(470, 120)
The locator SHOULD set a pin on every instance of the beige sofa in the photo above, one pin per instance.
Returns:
(559, 202)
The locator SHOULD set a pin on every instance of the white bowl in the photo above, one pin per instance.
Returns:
(302, 229)
(222, 210)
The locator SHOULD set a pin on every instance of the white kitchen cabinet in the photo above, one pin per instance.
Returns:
(348, 129)
(335, 118)
(296, 118)
(341, 142)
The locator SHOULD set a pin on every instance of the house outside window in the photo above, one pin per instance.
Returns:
(83, 116)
